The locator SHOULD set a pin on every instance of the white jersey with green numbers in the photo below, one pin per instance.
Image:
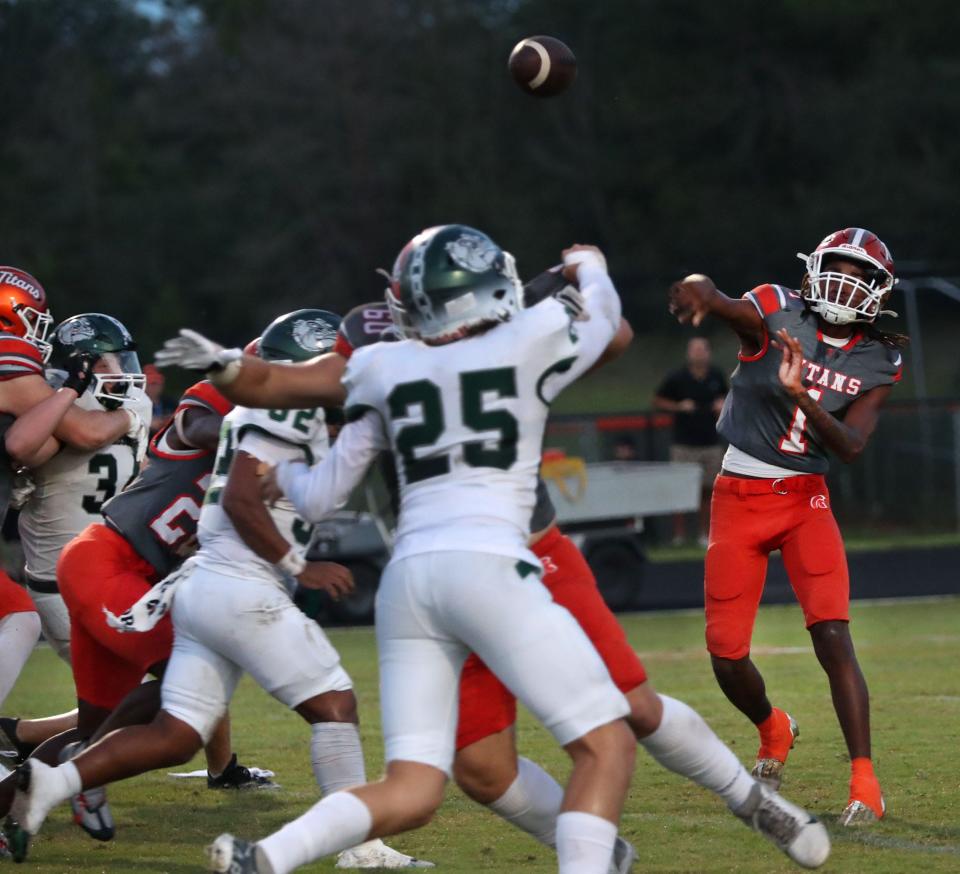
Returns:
(271, 436)
(71, 488)
(465, 420)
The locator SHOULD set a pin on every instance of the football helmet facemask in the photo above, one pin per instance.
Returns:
(838, 297)
(298, 336)
(449, 280)
(23, 308)
(118, 369)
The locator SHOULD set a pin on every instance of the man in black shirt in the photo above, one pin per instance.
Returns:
(694, 394)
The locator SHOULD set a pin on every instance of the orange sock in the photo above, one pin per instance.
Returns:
(776, 739)
(864, 785)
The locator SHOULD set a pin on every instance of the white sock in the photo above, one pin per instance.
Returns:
(49, 787)
(584, 843)
(333, 824)
(336, 756)
(685, 744)
(18, 636)
(532, 802)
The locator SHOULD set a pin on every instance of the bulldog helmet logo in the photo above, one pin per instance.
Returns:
(75, 331)
(473, 253)
(313, 334)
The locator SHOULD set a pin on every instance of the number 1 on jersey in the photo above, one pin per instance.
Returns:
(794, 441)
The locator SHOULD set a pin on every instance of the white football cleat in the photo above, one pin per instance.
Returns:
(624, 855)
(92, 813)
(790, 828)
(230, 855)
(35, 795)
(90, 809)
(376, 854)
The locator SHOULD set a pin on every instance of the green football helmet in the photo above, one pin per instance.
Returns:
(450, 279)
(118, 369)
(299, 336)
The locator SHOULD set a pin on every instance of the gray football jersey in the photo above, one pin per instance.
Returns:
(71, 488)
(758, 416)
(160, 508)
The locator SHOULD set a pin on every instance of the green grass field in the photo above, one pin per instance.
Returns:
(909, 652)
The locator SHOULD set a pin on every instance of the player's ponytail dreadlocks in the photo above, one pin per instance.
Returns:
(888, 338)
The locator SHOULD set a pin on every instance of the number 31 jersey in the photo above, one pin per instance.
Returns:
(761, 419)
(70, 490)
(465, 420)
(271, 436)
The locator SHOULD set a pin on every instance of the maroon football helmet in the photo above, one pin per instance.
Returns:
(838, 297)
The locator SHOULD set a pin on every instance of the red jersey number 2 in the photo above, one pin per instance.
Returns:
(794, 441)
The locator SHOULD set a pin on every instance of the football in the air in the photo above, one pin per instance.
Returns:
(542, 66)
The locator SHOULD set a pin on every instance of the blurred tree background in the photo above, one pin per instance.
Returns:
(213, 163)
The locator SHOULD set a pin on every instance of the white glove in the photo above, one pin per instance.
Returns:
(138, 403)
(23, 487)
(193, 351)
(138, 432)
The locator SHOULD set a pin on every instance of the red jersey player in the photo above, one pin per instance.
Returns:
(820, 393)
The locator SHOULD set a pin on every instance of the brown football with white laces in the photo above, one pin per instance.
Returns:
(542, 66)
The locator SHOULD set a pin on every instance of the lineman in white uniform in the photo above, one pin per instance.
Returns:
(233, 613)
(69, 489)
(465, 420)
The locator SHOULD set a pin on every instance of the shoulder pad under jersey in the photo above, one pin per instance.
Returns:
(770, 299)
(18, 357)
(204, 394)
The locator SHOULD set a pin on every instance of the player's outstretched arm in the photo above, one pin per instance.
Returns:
(618, 345)
(253, 382)
(694, 298)
(846, 439)
(196, 428)
(318, 491)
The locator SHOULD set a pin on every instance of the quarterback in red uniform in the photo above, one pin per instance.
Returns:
(818, 392)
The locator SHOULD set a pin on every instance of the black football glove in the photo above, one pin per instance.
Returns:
(79, 369)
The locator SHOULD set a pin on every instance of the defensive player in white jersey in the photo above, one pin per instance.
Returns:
(36, 421)
(69, 489)
(233, 612)
(463, 409)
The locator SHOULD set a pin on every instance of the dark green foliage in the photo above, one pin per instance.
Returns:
(231, 160)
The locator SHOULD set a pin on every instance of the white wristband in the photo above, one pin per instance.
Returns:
(230, 361)
(292, 563)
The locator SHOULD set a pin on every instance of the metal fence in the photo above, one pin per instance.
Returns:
(906, 481)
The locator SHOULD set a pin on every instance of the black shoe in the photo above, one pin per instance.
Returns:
(10, 747)
(236, 776)
(16, 839)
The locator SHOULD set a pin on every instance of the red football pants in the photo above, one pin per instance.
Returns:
(486, 705)
(98, 569)
(13, 598)
(749, 518)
